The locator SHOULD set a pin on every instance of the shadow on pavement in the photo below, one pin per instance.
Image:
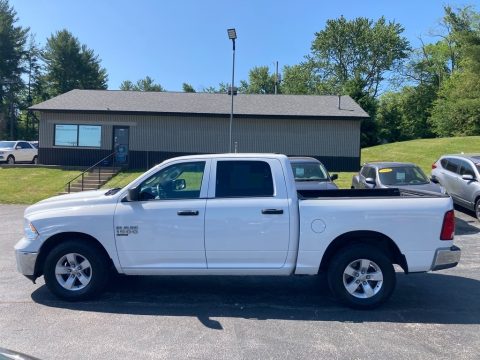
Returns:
(419, 298)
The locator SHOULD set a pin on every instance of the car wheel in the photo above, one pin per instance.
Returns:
(35, 160)
(477, 209)
(10, 160)
(75, 271)
(361, 276)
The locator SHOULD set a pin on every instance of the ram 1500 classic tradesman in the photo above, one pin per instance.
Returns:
(236, 214)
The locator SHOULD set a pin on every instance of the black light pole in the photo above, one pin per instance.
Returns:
(232, 35)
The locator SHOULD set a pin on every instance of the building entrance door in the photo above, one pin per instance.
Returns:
(120, 144)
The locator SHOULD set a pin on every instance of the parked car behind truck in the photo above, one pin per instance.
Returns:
(236, 214)
(13, 152)
(460, 175)
(375, 175)
(311, 174)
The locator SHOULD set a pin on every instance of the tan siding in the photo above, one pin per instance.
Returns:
(210, 134)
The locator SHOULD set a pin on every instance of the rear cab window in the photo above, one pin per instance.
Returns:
(243, 178)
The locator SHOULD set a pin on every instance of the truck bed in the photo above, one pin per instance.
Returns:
(365, 193)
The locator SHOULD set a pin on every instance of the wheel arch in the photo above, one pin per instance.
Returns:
(56, 239)
(369, 237)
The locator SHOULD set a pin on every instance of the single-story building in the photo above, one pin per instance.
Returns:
(81, 127)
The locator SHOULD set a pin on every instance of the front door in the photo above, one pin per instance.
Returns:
(164, 229)
(120, 144)
(247, 216)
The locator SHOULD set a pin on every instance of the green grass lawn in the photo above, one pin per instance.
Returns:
(29, 185)
(422, 152)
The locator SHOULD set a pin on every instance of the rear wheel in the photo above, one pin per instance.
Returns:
(11, 160)
(361, 276)
(76, 271)
(35, 160)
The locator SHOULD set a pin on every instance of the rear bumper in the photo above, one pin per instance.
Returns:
(446, 258)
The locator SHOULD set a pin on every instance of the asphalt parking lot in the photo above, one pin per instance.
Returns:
(430, 316)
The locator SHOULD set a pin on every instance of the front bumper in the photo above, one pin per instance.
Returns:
(446, 258)
(26, 262)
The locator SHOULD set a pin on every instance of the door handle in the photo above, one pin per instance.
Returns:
(272, 211)
(187, 212)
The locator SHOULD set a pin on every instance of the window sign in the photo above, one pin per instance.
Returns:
(89, 135)
(66, 135)
(78, 135)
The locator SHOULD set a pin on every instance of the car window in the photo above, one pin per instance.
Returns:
(364, 171)
(402, 175)
(178, 181)
(465, 168)
(24, 145)
(243, 179)
(7, 144)
(451, 164)
(309, 171)
(371, 173)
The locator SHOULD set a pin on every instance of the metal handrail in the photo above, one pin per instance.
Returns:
(90, 168)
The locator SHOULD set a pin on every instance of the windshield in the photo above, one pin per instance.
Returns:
(7, 144)
(402, 175)
(312, 171)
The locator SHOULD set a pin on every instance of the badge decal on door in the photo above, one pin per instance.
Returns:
(126, 230)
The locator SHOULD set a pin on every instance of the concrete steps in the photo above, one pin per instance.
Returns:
(92, 180)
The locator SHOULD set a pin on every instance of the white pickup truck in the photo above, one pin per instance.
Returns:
(236, 214)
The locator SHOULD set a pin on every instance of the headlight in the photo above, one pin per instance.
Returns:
(29, 230)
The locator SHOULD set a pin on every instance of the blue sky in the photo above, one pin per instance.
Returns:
(186, 40)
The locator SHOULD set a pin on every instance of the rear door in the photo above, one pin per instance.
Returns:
(466, 188)
(247, 215)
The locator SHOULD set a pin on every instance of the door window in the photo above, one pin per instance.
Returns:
(465, 168)
(178, 181)
(243, 179)
(24, 145)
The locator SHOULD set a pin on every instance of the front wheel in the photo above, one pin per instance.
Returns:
(477, 209)
(75, 271)
(11, 160)
(361, 276)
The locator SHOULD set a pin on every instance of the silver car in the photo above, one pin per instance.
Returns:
(310, 174)
(460, 175)
(402, 175)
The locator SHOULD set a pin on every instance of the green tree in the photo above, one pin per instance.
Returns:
(145, 84)
(457, 108)
(188, 88)
(260, 81)
(70, 65)
(12, 50)
(360, 50)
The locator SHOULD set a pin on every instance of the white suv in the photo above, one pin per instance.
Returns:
(18, 151)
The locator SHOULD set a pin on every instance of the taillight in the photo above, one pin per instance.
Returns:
(448, 227)
(434, 165)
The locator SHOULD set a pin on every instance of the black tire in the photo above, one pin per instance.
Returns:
(35, 160)
(477, 209)
(339, 279)
(97, 272)
(11, 160)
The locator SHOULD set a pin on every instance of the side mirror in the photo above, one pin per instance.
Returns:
(371, 181)
(468, 177)
(133, 194)
(434, 180)
(334, 177)
(179, 184)
(18, 147)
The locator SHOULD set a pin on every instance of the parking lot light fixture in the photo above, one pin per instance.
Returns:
(232, 35)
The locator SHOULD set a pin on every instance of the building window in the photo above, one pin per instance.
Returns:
(78, 135)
